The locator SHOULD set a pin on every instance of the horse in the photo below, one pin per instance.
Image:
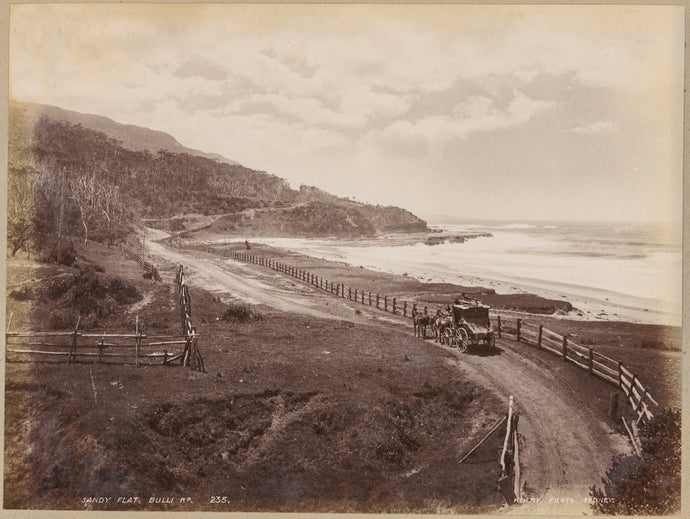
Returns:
(420, 322)
(441, 323)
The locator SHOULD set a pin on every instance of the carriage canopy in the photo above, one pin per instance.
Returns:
(473, 314)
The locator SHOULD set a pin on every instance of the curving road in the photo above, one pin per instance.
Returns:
(564, 449)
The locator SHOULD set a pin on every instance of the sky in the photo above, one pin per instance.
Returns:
(496, 112)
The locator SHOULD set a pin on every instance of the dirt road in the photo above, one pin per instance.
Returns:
(565, 448)
(236, 280)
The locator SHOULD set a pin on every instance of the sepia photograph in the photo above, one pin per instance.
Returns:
(356, 258)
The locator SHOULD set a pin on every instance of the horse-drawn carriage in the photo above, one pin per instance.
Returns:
(468, 325)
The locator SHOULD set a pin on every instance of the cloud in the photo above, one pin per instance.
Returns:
(303, 110)
(473, 115)
(198, 66)
(597, 128)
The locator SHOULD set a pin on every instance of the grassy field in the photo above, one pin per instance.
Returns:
(294, 414)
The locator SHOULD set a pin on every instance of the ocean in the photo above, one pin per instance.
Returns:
(627, 271)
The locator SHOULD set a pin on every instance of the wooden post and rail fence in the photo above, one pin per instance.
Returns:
(191, 355)
(596, 364)
(113, 348)
(509, 458)
(102, 347)
(150, 270)
(586, 358)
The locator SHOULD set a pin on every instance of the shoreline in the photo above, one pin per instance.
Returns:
(588, 303)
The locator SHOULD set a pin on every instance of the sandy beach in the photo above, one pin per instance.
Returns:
(407, 255)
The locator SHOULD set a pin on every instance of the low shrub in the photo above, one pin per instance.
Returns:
(652, 344)
(123, 292)
(62, 318)
(647, 485)
(48, 253)
(239, 313)
(22, 294)
(90, 294)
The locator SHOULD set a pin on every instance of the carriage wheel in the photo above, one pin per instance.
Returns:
(448, 336)
(462, 340)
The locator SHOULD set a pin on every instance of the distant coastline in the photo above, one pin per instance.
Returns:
(620, 273)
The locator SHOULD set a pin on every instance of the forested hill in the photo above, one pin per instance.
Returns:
(132, 137)
(158, 186)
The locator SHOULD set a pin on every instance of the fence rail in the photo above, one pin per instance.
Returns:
(595, 363)
(76, 344)
(119, 345)
(537, 335)
(150, 270)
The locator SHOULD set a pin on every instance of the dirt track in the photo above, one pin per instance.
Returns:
(565, 449)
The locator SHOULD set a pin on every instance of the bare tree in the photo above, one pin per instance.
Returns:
(111, 205)
(20, 209)
(86, 193)
(99, 203)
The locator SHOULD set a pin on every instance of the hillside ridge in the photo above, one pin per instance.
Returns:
(131, 136)
(169, 186)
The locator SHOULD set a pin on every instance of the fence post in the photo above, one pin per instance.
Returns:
(565, 347)
(137, 343)
(519, 323)
(405, 308)
(641, 406)
(377, 301)
(349, 293)
(369, 298)
(395, 304)
(499, 326)
(100, 350)
(385, 303)
(73, 350)
(541, 328)
(516, 459)
(507, 437)
(591, 361)
(362, 296)
(356, 294)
